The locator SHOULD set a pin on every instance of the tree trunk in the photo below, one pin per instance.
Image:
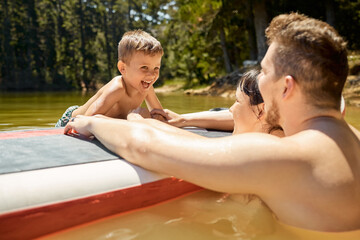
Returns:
(7, 74)
(129, 15)
(108, 51)
(261, 22)
(330, 12)
(60, 21)
(82, 47)
(225, 52)
(251, 30)
(35, 53)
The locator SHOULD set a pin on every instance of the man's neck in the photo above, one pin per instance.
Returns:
(301, 119)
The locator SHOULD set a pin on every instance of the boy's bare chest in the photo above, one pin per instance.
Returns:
(122, 108)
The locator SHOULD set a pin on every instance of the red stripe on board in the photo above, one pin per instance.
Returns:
(39, 221)
(31, 133)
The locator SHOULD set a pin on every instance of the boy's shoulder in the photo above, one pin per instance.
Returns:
(116, 84)
(115, 87)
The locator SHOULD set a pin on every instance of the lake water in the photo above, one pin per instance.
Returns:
(201, 215)
(41, 110)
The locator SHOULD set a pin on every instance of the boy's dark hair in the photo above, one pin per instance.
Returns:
(137, 40)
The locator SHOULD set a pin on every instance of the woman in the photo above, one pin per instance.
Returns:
(245, 115)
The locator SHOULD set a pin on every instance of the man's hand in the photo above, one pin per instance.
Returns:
(78, 126)
(133, 116)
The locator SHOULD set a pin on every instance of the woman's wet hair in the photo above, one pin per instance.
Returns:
(248, 84)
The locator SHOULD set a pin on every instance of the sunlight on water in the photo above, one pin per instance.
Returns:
(19, 111)
(203, 215)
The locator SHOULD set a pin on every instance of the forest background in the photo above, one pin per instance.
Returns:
(72, 44)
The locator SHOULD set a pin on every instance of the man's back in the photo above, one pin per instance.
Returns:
(322, 186)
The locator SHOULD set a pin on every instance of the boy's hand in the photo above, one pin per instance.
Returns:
(77, 126)
(171, 117)
(158, 117)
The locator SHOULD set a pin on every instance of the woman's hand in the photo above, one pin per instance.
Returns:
(171, 117)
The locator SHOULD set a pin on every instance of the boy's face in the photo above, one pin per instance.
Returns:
(142, 71)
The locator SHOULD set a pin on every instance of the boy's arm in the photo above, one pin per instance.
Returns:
(152, 102)
(104, 102)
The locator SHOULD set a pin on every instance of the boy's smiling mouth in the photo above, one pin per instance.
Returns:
(146, 84)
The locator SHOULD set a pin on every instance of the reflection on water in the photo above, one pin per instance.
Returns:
(202, 215)
(41, 110)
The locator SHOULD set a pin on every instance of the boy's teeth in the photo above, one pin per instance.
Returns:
(146, 84)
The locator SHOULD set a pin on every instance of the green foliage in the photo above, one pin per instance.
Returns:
(349, 22)
(72, 44)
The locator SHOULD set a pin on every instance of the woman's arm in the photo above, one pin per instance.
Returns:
(220, 120)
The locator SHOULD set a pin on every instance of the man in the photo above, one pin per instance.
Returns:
(310, 178)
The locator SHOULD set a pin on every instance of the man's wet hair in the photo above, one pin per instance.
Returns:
(313, 53)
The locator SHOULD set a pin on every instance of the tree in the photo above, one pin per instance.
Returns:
(261, 22)
(72, 44)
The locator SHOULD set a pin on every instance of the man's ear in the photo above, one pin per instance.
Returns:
(261, 108)
(121, 66)
(289, 86)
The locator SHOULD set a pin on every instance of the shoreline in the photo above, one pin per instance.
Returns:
(351, 90)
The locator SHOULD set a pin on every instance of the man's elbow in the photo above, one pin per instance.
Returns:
(139, 142)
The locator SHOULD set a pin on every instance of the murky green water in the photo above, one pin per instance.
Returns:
(203, 215)
(41, 110)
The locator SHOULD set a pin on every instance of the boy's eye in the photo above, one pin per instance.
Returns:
(144, 67)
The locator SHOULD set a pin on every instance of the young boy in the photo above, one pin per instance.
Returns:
(139, 62)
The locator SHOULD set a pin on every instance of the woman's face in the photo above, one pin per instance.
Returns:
(245, 116)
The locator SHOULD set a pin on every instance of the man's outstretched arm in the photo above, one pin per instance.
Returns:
(230, 164)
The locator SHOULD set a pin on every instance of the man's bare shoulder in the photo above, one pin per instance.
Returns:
(329, 150)
(320, 143)
(313, 150)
